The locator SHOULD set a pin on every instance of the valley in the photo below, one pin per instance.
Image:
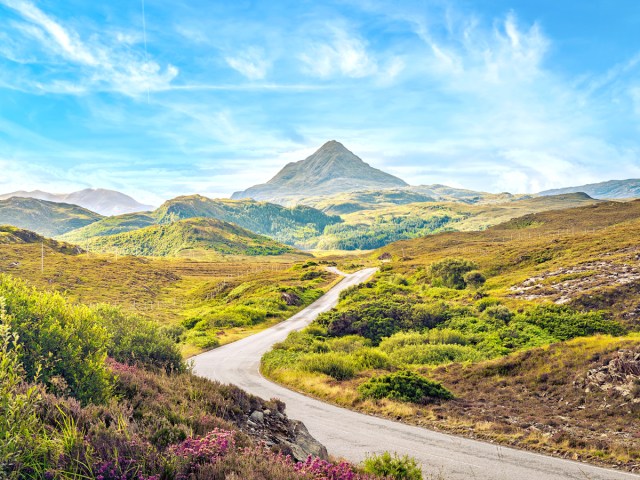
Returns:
(437, 318)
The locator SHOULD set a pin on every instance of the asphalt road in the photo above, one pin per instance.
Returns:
(353, 435)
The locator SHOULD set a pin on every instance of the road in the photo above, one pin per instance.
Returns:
(353, 435)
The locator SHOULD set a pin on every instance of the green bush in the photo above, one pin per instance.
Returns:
(474, 279)
(64, 345)
(563, 322)
(450, 272)
(393, 466)
(24, 445)
(371, 358)
(339, 367)
(134, 340)
(405, 386)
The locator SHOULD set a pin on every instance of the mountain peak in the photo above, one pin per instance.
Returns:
(329, 170)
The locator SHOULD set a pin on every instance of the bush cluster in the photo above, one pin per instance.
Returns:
(405, 386)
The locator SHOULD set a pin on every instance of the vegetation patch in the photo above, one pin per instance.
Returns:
(406, 386)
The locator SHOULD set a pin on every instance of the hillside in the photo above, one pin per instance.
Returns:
(529, 330)
(10, 235)
(286, 225)
(368, 229)
(44, 217)
(100, 200)
(190, 234)
(612, 189)
(331, 169)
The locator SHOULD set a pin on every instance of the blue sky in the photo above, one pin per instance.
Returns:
(492, 95)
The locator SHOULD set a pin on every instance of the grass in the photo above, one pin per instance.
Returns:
(171, 290)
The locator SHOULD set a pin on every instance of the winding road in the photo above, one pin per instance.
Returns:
(353, 435)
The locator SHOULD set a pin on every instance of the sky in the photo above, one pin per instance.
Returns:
(158, 98)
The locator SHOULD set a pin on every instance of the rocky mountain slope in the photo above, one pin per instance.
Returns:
(331, 169)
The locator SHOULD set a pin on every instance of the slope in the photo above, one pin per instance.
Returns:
(331, 169)
(287, 225)
(190, 234)
(44, 217)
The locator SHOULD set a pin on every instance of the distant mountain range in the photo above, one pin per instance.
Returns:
(99, 200)
(612, 189)
(331, 169)
(287, 225)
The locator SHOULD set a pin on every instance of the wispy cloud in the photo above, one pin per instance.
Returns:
(340, 53)
(100, 64)
(251, 63)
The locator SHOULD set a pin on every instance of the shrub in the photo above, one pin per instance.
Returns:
(405, 386)
(368, 358)
(563, 322)
(393, 466)
(340, 367)
(134, 340)
(499, 312)
(23, 439)
(474, 279)
(63, 344)
(450, 272)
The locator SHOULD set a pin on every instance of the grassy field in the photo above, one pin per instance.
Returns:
(181, 293)
(531, 325)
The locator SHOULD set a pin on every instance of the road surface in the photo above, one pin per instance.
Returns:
(353, 435)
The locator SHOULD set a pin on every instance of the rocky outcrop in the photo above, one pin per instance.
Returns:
(620, 375)
(274, 428)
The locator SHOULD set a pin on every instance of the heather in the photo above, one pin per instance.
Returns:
(95, 393)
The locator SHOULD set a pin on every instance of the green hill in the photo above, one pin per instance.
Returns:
(190, 234)
(287, 225)
(368, 229)
(10, 235)
(44, 217)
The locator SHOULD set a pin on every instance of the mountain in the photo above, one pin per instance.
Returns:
(611, 189)
(189, 234)
(286, 225)
(44, 217)
(331, 169)
(100, 200)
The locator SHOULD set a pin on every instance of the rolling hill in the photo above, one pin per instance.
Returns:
(287, 225)
(367, 229)
(613, 189)
(10, 235)
(191, 234)
(44, 217)
(331, 169)
(100, 200)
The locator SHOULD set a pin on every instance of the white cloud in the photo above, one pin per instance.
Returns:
(251, 63)
(101, 65)
(340, 54)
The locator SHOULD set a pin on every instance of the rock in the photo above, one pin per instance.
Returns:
(257, 417)
(304, 445)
